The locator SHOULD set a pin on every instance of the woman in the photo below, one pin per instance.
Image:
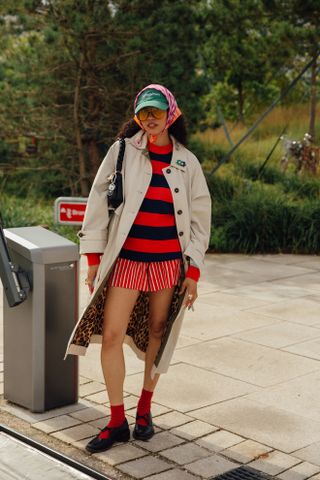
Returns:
(143, 264)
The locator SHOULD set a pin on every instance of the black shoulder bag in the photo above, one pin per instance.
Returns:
(115, 187)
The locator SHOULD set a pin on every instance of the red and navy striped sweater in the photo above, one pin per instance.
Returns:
(153, 236)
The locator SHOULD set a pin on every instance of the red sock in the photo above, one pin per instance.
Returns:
(117, 418)
(144, 405)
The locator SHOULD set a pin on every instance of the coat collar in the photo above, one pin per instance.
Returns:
(140, 139)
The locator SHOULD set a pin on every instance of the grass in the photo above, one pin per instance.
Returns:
(260, 143)
(262, 211)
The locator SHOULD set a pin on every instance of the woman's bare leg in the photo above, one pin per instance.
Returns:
(158, 313)
(118, 307)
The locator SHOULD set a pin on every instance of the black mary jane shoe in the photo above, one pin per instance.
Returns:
(117, 434)
(143, 432)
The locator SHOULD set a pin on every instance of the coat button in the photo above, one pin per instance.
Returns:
(176, 190)
(168, 170)
(180, 234)
(179, 212)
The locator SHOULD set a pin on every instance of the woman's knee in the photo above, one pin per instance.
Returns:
(157, 327)
(111, 338)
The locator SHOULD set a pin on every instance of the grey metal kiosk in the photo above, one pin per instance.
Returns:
(36, 331)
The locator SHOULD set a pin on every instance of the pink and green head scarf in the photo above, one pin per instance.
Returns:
(173, 110)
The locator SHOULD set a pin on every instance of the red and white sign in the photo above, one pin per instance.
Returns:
(70, 210)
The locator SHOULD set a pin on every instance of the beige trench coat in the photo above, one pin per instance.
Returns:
(192, 207)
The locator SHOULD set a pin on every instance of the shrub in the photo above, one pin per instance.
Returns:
(305, 231)
(261, 221)
(17, 212)
(33, 182)
(223, 188)
(269, 174)
(302, 187)
(206, 151)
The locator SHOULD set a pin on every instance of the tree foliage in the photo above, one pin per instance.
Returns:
(84, 63)
(69, 72)
(255, 48)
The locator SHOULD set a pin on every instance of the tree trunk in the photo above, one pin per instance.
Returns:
(313, 101)
(84, 186)
(94, 157)
(94, 106)
(240, 102)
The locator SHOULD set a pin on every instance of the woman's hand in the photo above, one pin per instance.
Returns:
(91, 275)
(191, 286)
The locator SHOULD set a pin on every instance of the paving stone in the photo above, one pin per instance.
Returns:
(278, 428)
(1, 377)
(90, 388)
(220, 440)
(309, 454)
(300, 310)
(1, 388)
(299, 396)
(211, 466)
(160, 441)
(309, 349)
(185, 453)
(130, 402)
(120, 454)
(81, 444)
(246, 451)
(1, 366)
(156, 409)
(56, 423)
(100, 422)
(175, 474)
(316, 477)
(90, 414)
(218, 320)
(193, 430)
(204, 387)
(279, 335)
(274, 463)
(185, 341)
(31, 418)
(100, 397)
(251, 363)
(142, 467)
(255, 265)
(274, 292)
(83, 380)
(171, 419)
(299, 472)
(228, 299)
(79, 432)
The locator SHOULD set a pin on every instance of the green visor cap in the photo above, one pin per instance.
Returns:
(151, 98)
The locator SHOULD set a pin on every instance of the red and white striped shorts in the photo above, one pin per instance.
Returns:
(145, 276)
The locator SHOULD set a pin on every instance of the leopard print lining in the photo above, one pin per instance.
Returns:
(138, 327)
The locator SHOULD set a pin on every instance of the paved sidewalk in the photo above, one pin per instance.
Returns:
(243, 387)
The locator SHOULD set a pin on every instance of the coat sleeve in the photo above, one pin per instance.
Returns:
(200, 227)
(94, 231)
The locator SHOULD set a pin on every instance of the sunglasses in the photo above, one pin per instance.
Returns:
(144, 113)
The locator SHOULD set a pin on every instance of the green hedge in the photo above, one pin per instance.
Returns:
(247, 217)
(261, 221)
(18, 212)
